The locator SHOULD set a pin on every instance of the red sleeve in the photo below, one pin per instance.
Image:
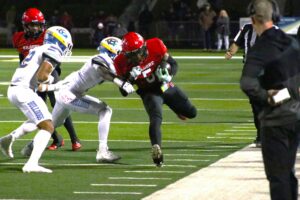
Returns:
(121, 65)
(16, 38)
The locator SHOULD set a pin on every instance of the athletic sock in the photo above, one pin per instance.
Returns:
(40, 142)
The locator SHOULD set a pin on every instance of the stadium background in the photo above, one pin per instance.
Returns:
(187, 34)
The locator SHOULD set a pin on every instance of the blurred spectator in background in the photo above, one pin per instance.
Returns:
(223, 29)
(206, 20)
(119, 31)
(171, 19)
(10, 23)
(145, 20)
(66, 21)
(98, 35)
(201, 3)
(54, 18)
(110, 24)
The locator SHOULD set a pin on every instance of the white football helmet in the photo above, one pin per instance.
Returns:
(60, 36)
(111, 46)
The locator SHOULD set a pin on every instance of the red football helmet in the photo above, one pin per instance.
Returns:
(33, 22)
(134, 48)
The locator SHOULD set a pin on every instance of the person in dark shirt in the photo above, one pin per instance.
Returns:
(271, 75)
(245, 39)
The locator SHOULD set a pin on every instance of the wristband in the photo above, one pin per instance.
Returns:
(118, 82)
(51, 87)
(44, 88)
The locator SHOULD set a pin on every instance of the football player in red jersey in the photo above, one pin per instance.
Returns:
(148, 65)
(33, 35)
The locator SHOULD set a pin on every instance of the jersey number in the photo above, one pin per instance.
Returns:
(27, 59)
(151, 78)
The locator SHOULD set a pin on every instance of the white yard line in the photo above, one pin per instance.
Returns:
(123, 185)
(117, 193)
(138, 178)
(154, 172)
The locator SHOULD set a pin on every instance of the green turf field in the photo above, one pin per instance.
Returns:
(224, 124)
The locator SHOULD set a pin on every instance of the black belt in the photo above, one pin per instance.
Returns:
(12, 85)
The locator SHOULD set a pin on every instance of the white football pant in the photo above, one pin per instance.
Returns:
(67, 102)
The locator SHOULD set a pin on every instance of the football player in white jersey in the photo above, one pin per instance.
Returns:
(35, 69)
(72, 97)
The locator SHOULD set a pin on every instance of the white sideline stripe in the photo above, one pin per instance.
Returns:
(201, 150)
(216, 146)
(123, 185)
(239, 138)
(130, 193)
(187, 160)
(167, 165)
(247, 134)
(193, 155)
(167, 172)
(244, 127)
(215, 137)
(138, 178)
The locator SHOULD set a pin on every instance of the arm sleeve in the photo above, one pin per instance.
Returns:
(51, 60)
(174, 65)
(239, 39)
(250, 80)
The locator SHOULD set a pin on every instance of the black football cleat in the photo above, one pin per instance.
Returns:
(157, 155)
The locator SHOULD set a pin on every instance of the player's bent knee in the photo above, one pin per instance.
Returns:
(46, 125)
(192, 113)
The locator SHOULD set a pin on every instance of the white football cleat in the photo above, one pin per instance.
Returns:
(104, 155)
(6, 145)
(28, 168)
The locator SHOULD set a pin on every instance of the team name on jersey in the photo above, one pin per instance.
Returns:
(28, 47)
(150, 64)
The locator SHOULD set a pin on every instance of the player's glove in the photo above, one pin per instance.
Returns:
(163, 75)
(134, 73)
(127, 87)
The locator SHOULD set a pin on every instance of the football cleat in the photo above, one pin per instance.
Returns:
(26, 151)
(76, 146)
(55, 146)
(107, 156)
(157, 155)
(28, 168)
(6, 145)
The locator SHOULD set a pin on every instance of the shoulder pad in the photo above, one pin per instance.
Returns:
(53, 52)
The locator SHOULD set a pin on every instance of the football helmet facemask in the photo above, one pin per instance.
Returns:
(111, 46)
(60, 36)
(134, 48)
(33, 22)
